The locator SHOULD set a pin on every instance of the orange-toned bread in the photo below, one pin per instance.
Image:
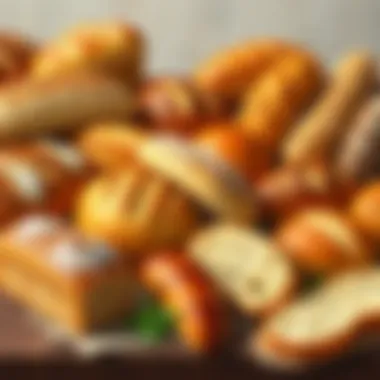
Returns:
(322, 241)
(364, 211)
(53, 270)
(228, 74)
(16, 54)
(189, 296)
(276, 101)
(227, 141)
(111, 146)
(114, 48)
(136, 211)
(317, 135)
(174, 104)
(290, 189)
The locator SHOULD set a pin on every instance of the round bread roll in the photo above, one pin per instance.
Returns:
(321, 241)
(111, 146)
(206, 178)
(114, 48)
(136, 212)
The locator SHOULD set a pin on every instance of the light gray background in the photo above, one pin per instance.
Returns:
(182, 32)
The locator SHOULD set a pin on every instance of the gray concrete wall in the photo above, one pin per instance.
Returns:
(181, 32)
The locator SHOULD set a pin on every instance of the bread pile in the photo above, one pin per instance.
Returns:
(231, 187)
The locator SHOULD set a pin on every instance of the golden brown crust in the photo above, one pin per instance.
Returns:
(229, 73)
(35, 107)
(136, 212)
(316, 136)
(189, 296)
(274, 103)
(113, 48)
(111, 146)
(322, 241)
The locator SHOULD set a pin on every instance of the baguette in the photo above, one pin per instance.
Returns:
(245, 266)
(190, 297)
(273, 104)
(318, 133)
(322, 241)
(35, 107)
(323, 325)
(204, 177)
(111, 146)
(357, 160)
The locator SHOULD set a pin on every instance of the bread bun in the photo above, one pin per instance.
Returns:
(111, 146)
(321, 241)
(136, 212)
(113, 48)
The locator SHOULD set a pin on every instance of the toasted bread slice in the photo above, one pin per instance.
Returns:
(246, 266)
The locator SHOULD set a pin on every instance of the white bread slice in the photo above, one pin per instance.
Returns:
(323, 325)
(246, 266)
(210, 181)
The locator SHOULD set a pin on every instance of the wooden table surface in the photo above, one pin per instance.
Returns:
(25, 350)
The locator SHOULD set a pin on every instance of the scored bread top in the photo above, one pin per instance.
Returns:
(209, 180)
(245, 265)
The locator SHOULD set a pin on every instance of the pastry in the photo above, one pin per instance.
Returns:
(50, 268)
(189, 296)
(245, 266)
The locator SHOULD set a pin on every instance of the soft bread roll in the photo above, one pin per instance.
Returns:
(80, 283)
(229, 73)
(113, 48)
(322, 241)
(246, 266)
(323, 325)
(364, 211)
(357, 160)
(111, 146)
(276, 101)
(206, 178)
(189, 296)
(136, 212)
(35, 107)
(317, 134)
